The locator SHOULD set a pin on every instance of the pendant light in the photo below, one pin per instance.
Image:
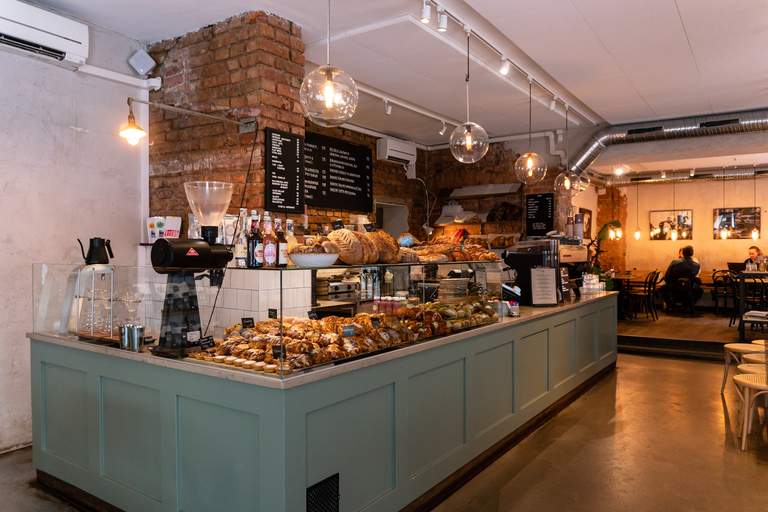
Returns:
(328, 95)
(469, 141)
(567, 183)
(530, 168)
(131, 131)
(755, 230)
(675, 233)
(724, 231)
(637, 211)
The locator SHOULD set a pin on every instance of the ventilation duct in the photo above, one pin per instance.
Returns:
(701, 126)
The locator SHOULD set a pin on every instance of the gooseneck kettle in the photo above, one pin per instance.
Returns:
(99, 251)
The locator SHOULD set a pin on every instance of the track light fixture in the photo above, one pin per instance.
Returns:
(426, 12)
(387, 108)
(442, 19)
(553, 104)
(692, 173)
(443, 129)
(663, 175)
(505, 66)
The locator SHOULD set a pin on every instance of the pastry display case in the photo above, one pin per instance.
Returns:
(278, 322)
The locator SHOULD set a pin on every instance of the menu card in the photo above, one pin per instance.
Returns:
(283, 172)
(544, 286)
(539, 214)
(337, 174)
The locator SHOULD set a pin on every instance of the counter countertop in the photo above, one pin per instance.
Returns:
(219, 371)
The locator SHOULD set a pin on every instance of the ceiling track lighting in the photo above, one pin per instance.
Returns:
(505, 66)
(620, 170)
(530, 168)
(387, 108)
(553, 103)
(426, 12)
(329, 95)
(692, 173)
(469, 141)
(442, 19)
(663, 175)
(443, 129)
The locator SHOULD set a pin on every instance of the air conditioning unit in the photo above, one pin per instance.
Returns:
(34, 31)
(395, 150)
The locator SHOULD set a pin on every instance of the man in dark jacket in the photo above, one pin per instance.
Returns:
(680, 281)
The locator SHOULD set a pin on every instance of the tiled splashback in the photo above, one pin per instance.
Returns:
(245, 293)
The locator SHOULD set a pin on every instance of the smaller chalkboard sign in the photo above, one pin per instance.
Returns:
(539, 214)
(375, 322)
(278, 351)
(247, 322)
(338, 224)
(348, 331)
(207, 342)
(312, 315)
(369, 227)
(272, 313)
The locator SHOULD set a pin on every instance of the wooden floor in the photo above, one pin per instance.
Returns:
(705, 327)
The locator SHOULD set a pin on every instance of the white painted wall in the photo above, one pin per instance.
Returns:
(587, 199)
(702, 197)
(64, 174)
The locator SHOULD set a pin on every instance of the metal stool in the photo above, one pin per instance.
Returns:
(753, 385)
(733, 352)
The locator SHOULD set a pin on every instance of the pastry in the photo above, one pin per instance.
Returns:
(239, 361)
(230, 360)
(406, 255)
(270, 368)
(248, 365)
(259, 366)
(350, 247)
(219, 359)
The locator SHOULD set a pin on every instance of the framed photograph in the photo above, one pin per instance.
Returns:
(740, 221)
(661, 224)
(587, 216)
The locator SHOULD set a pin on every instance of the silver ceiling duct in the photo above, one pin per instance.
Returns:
(700, 126)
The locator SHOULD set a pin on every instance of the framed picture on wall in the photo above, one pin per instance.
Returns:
(739, 221)
(586, 215)
(661, 224)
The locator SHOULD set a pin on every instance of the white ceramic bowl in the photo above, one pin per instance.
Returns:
(313, 260)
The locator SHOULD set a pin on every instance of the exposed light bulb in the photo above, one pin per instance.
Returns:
(329, 94)
(692, 173)
(684, 234)
(442, 20)
(620, 170)
(755, 233)
(426, 12)
(637, 234)
(674, 235)
(663, 175)
(619, 234)
(468, 142)
(505, 66)
(131, 131)
(724, 233)
(612, 234)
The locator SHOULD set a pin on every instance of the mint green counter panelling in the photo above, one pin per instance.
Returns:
(149, 438)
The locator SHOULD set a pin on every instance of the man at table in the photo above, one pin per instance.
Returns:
(683, 268)
(754, 255)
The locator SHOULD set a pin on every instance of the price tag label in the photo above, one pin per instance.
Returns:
(369, 227)
(348, 331)
(338, 224)
(207, 342)
(193, 337)
(278, 351)
(247, 322)
(376, 322)
(312, 315)
(272, 313)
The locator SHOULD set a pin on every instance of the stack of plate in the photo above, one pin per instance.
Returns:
(453, 290)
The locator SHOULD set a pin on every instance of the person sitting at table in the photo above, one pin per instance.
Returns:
(684, 268)
(754, 255)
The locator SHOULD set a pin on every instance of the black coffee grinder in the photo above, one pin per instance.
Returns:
(181, 328)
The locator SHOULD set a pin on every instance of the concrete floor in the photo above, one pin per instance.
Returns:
(653, 436)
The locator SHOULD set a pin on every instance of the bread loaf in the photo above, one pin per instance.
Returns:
(407, 255)
(350, 247)
(370, 252)
(386, 245)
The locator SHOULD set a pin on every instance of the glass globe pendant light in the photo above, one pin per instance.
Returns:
(328, 95)
(469, 141)
(530, 168)
(637, 212)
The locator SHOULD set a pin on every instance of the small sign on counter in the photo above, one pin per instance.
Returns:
(544, 286)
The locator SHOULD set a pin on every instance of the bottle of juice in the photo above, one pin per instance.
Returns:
(282, 244)
(270, 243)
(255, 257)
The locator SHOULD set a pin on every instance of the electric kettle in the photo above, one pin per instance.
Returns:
(99, 251)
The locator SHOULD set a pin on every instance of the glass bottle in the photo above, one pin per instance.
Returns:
(270, 243)
(241, 239)
(282, 244)
(292, 240)
(255, 257)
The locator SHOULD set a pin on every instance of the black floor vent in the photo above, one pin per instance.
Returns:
(324, 495)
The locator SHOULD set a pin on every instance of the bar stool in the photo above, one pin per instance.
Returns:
(760, 342)
(752, 368)
(757, 358)
(733, 352)
(752, 385)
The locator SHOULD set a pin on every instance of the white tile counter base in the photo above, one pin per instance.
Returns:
(250, 377)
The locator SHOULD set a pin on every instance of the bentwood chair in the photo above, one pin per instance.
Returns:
(722, 291)
(737, 353)
(753, 386)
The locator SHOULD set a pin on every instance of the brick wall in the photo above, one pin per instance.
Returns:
(612, 205)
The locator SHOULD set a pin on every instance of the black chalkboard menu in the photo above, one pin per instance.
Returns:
(539, 214)
(337, 174)
(283, 172)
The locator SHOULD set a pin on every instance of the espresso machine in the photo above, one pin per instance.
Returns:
(181, 328)
(534, 270)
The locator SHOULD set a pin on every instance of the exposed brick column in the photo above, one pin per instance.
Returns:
(249, 65)
(613, 206)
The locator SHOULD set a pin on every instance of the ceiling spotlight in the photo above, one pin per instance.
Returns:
(387, 108)
(663, 175)
(426, 12)
(443, 129)
(504, 67)
(442, 19)
(620, 170)
(692, 173)
(131, 131)
(553, 104)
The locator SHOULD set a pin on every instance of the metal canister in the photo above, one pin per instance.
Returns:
(136, 338)
(125, 333)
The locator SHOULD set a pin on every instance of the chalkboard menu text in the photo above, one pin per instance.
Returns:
(337, 174)
(539, 214)
(284, 172)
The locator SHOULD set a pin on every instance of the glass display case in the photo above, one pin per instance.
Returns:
(277, 322)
